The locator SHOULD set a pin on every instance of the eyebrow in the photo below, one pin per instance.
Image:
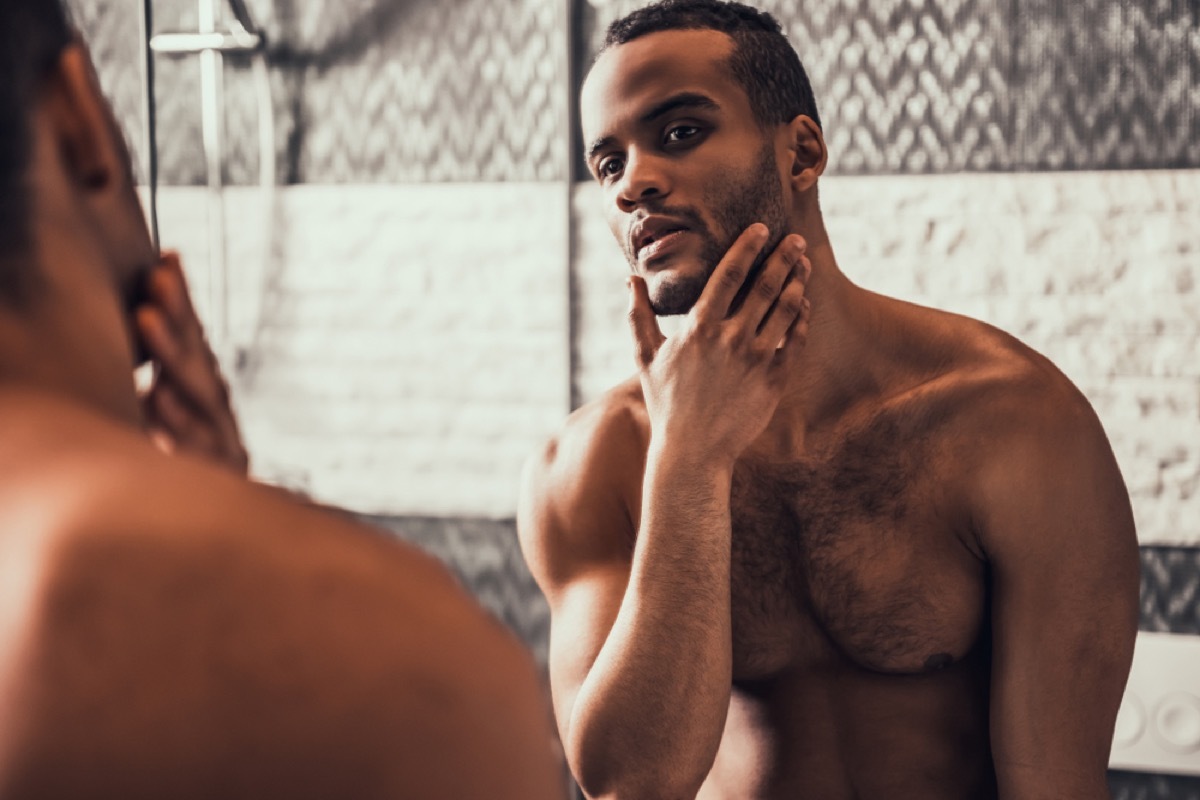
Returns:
(672, 103)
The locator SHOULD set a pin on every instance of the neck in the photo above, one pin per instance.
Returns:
(841, 363)
(70, 340)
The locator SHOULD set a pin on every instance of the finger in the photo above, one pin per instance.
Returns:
(167, 289)
(161, 439)
(779, 271)
(193, 369)
(785, 312)
(174, 285)
(175, 417)
(730, 274)
(643, 324)
(795, 337)
(157, 335)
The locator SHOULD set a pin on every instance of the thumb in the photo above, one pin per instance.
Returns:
(647, 337)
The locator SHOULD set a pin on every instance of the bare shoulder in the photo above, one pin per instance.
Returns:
(581, 488)
(170, 614)
(983, 380)
(1015, 397)
(1023, 434)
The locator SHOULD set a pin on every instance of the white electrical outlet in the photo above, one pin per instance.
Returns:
(1158, 726)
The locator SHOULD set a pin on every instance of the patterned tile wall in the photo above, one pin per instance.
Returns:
(365, 91)
(929, 86)
(454, 90)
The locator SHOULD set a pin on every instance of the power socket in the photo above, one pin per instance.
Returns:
(1158, 726)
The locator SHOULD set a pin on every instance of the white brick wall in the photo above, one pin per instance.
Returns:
(405, 347)
(1101, 272)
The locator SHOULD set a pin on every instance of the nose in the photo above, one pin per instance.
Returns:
(644, 178)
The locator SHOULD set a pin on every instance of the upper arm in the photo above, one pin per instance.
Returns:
(1055, 523)
(577, 532)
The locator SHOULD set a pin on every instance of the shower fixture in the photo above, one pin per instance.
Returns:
(210, 42)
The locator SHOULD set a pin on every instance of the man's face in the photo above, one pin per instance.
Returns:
(683, 165)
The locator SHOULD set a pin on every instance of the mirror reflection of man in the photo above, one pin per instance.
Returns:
(825, 544)
(168, 628)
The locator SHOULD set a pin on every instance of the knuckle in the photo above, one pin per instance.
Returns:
(791, 306)
(734, 340)
(794, 295)
(733, 276)
(705, 330)
(793, 251)
(761, 350)
(767, 286)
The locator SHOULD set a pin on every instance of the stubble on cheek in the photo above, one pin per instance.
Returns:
(736, 199)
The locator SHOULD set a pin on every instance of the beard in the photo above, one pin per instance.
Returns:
(737, 201)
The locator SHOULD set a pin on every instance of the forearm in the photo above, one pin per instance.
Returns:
(648, 720)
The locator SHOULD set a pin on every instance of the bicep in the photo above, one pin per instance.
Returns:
(1059, 536)
(582, 616)
(575, 545)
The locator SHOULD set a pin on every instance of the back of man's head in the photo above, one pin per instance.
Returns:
(32, 35)
(763, 61)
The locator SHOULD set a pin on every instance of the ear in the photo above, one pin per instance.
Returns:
(93, 153)
(808, 152)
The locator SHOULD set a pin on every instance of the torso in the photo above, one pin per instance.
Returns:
(861, 644)
(859, 625)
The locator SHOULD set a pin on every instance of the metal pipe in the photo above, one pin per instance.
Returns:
(209, 42)
(237, 40)
(150, 118)
(212, 121)
(570, 77)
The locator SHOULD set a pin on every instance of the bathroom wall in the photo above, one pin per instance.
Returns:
(428, 293)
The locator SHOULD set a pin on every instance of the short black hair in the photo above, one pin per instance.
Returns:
(763, 61)
(33, 34)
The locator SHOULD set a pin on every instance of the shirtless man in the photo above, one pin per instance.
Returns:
(169, 629)
(825, 544)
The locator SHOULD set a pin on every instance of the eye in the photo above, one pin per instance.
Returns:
(610, 166)
(680, 133)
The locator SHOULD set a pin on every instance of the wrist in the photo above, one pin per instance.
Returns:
(680, 457)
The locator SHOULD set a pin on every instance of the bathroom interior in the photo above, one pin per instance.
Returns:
(388, 230)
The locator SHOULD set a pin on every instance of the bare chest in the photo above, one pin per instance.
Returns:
(850, 556)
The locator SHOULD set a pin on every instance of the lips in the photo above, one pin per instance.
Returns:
(654, 233)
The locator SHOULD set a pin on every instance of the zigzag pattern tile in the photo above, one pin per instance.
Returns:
(902, 85)
(1138, 786)
(912, 86)
(486, 557)
(1171, 590)
(473, 89)
(907, 85)
(1106, 83)
(111, 27)
(451, 91)
(365, 91)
